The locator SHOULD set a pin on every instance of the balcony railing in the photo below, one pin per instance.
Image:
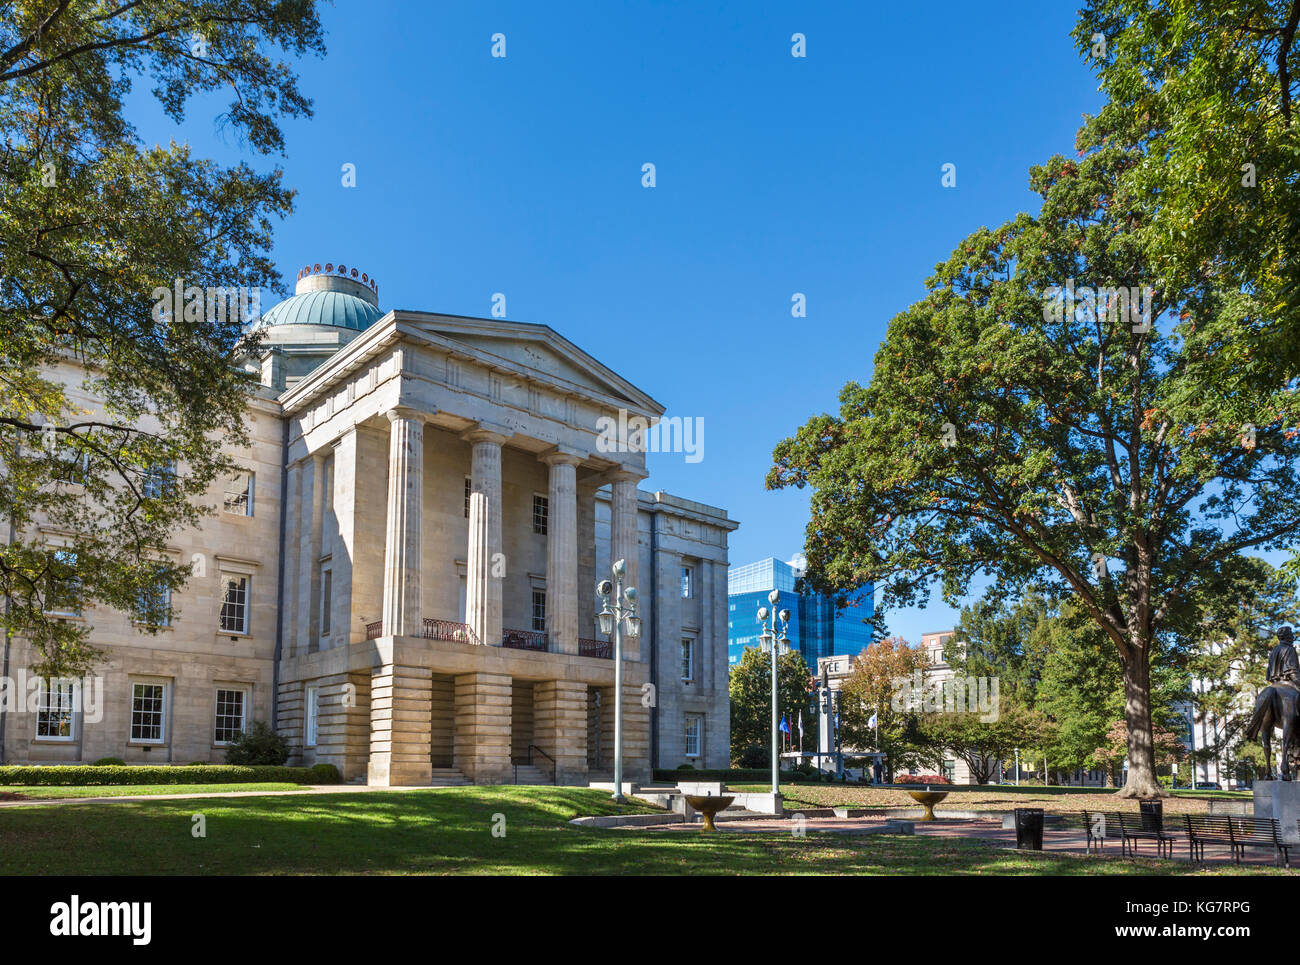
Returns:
(375, 630)
(523, 639)
(603, 649)
(448, 630)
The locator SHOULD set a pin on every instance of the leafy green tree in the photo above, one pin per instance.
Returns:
(750, 685)
(1207, 89)
(94, 226)
(1008, 640)
(1021, 420)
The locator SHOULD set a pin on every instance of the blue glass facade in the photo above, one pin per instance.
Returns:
(815, 628)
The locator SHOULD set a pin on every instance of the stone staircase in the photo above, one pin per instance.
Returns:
(448, 777)
(530, 774)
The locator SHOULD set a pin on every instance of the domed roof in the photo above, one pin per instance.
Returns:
(328, 297)
(324, 308)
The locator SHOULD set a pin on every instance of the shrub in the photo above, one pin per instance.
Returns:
(750, 775)
(752, 755)
(258, 745)
(685, 767)
(109, 762)
(325, 774)
(77, 774)
(921, 779)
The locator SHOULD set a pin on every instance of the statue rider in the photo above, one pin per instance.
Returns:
(1283, 665)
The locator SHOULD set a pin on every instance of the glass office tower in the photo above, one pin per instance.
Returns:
(815, 628)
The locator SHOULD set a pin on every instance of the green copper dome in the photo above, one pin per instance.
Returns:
(324, 308)
(337, 297)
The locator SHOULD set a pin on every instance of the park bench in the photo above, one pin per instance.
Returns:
(1131, 828)
(1237, 833)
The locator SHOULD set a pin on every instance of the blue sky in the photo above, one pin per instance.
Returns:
(775, 175)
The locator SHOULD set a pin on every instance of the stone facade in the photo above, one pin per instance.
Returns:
(431, 511)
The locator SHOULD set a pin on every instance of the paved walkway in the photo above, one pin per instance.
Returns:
(1068, 841)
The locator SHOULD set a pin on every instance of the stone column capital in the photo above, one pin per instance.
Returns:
(626, 474)
(487, 432)
(407, 412)
(563, 456)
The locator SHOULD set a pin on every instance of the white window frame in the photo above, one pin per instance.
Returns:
(688, 659)
(163, 698)
(244, 692)
(469, 489)
(226, 576)
(159, 480)
(166, 592)
(235, 495)
(533, 619)
(688, 582)
(310, 715)
(65, 686)
(698, 721)
(542, 520)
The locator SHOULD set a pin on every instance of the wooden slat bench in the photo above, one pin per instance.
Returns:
(1131, 829)
(1238, 834)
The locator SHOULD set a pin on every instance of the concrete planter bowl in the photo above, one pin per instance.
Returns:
(928, 799)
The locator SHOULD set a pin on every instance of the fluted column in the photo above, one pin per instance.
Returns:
(401, 613)
(587, 556)
(485, 562)
(562, 550)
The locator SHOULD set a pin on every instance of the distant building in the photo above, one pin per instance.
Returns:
(816, 629)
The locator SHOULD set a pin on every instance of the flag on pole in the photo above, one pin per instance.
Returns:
(785, 726)
(872, 722)
(801, 730)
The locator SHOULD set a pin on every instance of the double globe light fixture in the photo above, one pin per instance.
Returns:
(774, 638)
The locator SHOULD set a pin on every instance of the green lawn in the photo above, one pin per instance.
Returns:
(449, 831)
(129, 790)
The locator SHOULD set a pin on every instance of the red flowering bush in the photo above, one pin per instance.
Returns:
(922, 779)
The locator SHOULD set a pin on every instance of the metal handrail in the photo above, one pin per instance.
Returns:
(555, 768)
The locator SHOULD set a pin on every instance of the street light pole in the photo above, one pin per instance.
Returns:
(781, 623)
(608, 620)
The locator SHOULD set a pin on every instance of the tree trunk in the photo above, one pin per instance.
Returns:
(1142, 782)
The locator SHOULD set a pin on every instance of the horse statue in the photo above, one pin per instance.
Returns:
(1278, 705)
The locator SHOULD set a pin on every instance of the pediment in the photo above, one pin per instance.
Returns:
(536, 351)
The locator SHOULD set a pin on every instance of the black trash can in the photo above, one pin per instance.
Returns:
(1153, 815)
(1029, 829)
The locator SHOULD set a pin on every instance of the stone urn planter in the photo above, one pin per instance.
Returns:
(708, 806)
(928, 799)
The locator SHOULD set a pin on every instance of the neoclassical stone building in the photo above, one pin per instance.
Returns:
(403, 581)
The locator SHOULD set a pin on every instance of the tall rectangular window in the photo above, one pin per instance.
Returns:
(159, 480)
(694, 733)
(541, 513)
(539, 610)
(234, 603)
(148, 712)
(239, 494)
(153, 605)
(63, 587)
(688, 582)
(688, 659)
(311, 714)
(232, 706)
(326, 599)
(54, 710)
(468, 490)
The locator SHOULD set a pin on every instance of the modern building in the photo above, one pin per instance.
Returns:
(402, 577)
(817, 628)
